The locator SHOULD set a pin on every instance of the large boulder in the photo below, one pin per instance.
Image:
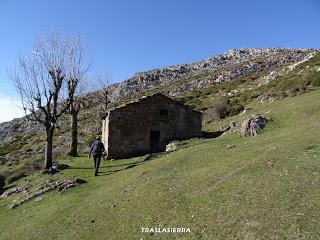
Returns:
(253, 126)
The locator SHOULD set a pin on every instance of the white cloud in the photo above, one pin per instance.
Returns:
(9, 108)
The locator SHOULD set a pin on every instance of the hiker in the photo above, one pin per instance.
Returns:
(97, 148)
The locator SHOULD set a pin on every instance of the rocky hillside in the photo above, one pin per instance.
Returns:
(21, 141)
(216, 69)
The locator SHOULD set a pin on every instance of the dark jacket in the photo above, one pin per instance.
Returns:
(97, 148)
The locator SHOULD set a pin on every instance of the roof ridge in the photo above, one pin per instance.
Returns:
(137, 100)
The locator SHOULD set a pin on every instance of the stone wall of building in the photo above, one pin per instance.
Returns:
(148, 125)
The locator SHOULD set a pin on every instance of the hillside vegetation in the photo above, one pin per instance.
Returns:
(266, 187)
(233, 79)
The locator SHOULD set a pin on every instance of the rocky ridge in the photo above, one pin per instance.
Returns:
(216, 69)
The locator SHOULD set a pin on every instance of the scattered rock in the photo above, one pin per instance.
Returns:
(172, 146)
(60, 185)
(66, 185)
(147, 157)
(231, 146)
(39, 198)
(253, 126)
(15, 190)
(270, 163)
(28, 198)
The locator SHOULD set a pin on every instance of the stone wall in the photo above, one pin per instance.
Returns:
(127, 129)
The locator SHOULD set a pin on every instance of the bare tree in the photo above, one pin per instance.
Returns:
(75, 106)
(76, 71)
(103, 92)
(43, 82)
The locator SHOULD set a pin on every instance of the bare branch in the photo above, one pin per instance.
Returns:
(100, 85)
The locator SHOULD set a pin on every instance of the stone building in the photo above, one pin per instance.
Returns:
(147, 125)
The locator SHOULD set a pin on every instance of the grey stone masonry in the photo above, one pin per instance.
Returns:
(148, 125)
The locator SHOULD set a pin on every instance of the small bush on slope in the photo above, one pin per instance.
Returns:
(222, 108)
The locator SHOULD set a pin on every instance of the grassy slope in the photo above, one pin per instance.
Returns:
(219, 193)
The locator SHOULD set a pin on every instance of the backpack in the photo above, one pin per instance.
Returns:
(97, 148)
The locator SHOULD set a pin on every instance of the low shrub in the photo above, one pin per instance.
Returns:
(223, 108)
(274, 93)
(215, 112)
(294, 91)
(234, 107)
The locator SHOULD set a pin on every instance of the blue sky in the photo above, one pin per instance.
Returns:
(124, 37)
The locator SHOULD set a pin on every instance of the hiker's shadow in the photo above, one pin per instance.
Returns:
(128, 165)
(118, 170)
(79, 168)
(146, 158)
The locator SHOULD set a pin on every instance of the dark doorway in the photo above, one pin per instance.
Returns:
(154, 141)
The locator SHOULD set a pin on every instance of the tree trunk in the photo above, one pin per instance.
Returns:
(48, 153)
(74, 134)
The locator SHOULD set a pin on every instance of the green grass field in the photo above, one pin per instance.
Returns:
(267, 187)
